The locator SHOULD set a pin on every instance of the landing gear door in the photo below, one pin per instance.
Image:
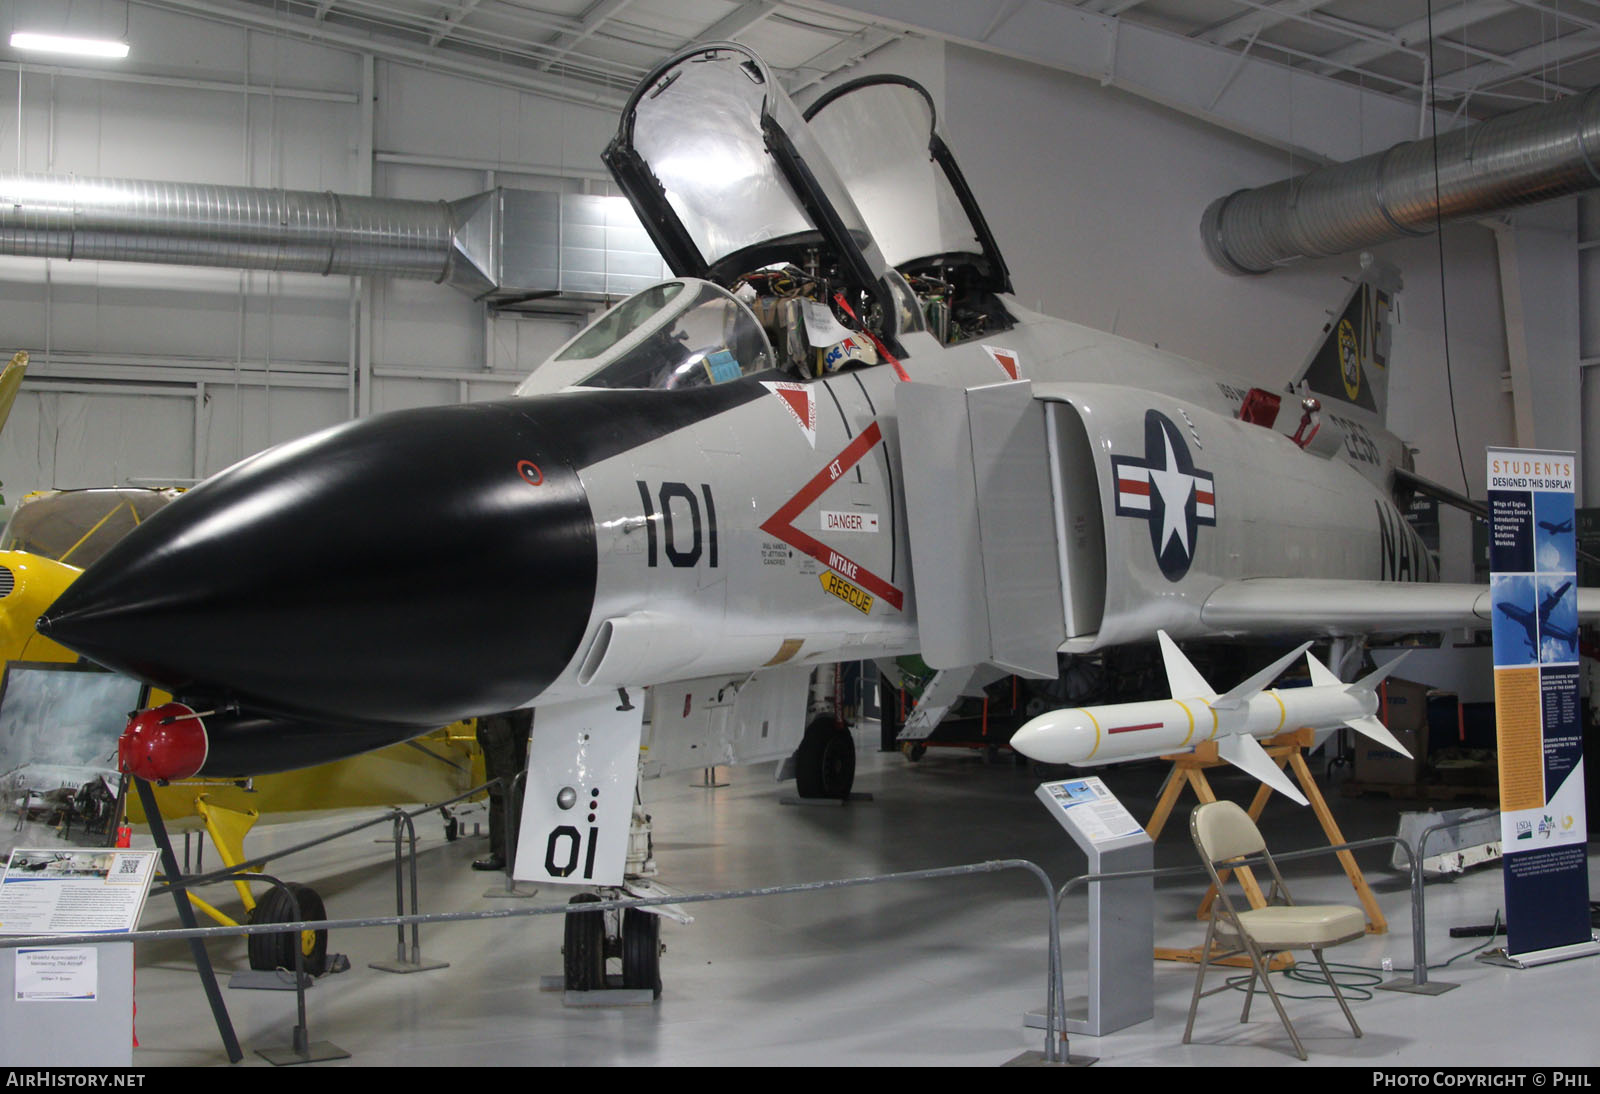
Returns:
(744, 719)
(583, 765)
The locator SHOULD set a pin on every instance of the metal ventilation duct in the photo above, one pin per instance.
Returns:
(127, 220)
(1535, 154)
(507, 246)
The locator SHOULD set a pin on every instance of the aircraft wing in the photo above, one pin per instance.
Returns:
(1273, 604)
(11, 382)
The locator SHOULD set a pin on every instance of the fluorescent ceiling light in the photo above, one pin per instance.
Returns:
(55, 43)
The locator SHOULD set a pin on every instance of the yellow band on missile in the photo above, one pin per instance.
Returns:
(1096, 725)
(1283, 714)
(1190, 713)
(1216, 723)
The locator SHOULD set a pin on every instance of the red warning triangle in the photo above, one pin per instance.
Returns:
(800, 404)
(1007, 360)
(801, 401)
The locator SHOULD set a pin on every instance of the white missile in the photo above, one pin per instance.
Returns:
(1087, 736)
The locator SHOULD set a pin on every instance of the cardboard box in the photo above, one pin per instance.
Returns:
(1376, 763)
(1407, 718)
(1403, 704)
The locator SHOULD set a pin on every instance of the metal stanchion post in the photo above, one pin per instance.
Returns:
(301, 1050)
(508, 804)
(1419, 984)
(401, 963)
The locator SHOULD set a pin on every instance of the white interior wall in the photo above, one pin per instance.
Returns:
(168, 374)
(1095, 198)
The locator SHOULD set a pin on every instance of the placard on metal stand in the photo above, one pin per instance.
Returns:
(1121, 913)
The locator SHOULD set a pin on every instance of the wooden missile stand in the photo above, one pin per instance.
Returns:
(1287, 750)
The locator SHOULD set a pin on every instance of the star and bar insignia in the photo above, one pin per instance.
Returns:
(1165, 489)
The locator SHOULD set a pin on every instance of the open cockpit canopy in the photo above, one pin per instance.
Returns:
(727, 178)
(881, 134)
(774, 224)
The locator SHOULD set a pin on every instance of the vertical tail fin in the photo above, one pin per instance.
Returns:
(1350, 366)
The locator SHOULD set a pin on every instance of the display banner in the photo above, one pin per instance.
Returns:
(1533, 583)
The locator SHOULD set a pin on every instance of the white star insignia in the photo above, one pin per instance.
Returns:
(1175, 488)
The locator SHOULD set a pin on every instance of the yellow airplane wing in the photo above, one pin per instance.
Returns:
(11, 382)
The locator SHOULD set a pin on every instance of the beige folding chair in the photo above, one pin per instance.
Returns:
(1223, 832)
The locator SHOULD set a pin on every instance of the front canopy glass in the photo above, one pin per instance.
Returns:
(674, 335)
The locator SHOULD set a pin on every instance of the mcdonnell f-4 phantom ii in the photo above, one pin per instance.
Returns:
(834, 435)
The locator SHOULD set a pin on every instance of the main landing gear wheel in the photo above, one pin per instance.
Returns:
(825, 762)
(584, 951)
(276, 951)
(641, 950)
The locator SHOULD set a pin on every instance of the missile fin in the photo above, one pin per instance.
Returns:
(1321, 675)
(1183, 678)
(1371, 681)
(1372, 728)
(1252, 687)
(1245, 752)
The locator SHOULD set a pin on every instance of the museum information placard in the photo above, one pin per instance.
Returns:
(1533, 590)
(46, 891)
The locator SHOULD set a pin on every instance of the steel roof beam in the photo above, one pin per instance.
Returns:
(1183, 74)
(453, 20)
(1523, 64)
(470, 66)
(839, 56)
(736, 22)
(591, 21)
(1250, 23)
(1444, 22)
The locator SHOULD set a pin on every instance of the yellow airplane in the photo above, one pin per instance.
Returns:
(10, 384)
(51, 538)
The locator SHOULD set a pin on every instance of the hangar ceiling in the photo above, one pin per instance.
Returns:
(1329, 80)
(1492, 56)
(1488, 56)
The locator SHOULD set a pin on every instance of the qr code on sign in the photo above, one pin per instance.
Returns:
(128, 866)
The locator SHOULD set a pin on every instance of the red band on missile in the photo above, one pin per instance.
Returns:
(1130, 729)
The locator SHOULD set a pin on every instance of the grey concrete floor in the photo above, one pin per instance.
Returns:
(934, 973)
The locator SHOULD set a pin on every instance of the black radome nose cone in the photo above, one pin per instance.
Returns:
(410, 569)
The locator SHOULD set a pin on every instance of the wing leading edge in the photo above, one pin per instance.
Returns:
(1274, 605)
